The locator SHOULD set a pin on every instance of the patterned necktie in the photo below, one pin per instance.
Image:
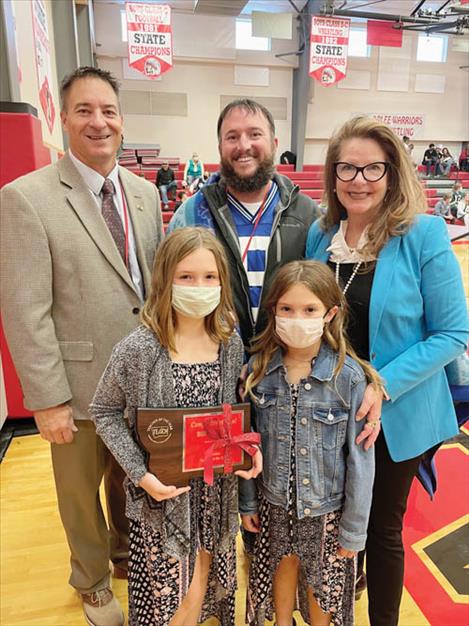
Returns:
(111, 216)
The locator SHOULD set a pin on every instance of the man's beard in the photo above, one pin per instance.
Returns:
(261, 177)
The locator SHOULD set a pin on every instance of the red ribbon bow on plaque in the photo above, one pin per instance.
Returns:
(220, 431)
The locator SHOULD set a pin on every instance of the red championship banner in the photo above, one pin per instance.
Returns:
(381, 33)
(150, 42)
(329, 47)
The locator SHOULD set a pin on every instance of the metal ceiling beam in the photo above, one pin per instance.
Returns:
(428, 30)
(294, 6)
(417, 8)
(438, 11)
(443, 25)
(379, 16)
(459, 9)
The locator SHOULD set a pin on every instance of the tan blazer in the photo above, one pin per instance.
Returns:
(66, 295)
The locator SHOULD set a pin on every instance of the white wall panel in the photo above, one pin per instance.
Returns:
(430, 83)
(356, 79)
(251, 75)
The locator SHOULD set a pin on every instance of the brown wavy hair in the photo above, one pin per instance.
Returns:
(404, 197)
(158, 313)
(320, 280)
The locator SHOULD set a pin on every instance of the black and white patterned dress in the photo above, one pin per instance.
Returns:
(314, 540)
(158, 582)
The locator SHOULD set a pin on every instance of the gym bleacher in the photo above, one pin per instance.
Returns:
(146, 162)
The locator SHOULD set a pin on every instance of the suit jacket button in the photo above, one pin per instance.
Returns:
(135, 310)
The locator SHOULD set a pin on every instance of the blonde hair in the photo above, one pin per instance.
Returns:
(404, 197)
(158, 313)
(320, 280)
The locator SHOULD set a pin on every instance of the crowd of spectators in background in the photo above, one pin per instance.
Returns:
(439, 161)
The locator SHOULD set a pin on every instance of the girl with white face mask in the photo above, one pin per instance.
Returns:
(310, 505)
(182, 553)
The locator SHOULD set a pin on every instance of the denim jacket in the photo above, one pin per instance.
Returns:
(332, 471)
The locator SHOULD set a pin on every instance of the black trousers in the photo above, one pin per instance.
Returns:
(384, 547)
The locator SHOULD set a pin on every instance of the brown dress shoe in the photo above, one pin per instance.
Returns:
(101, 608)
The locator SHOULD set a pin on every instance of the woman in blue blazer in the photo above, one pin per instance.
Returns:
(408, 317)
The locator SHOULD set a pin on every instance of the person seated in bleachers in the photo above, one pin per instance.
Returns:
(456, 197)
(410, 148)
(166, 183)
(446, 161)
(442, 208)
(407, 144)
(288, 158)
(463, 210)
(194, 169)
(181, 197)
(198, 183)
(464, 157)
(431, 158)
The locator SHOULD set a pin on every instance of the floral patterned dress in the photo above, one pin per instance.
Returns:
(158, 582)
(315, 541)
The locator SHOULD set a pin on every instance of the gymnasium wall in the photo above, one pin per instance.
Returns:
(205, 65)
(180, 110)
(199, 81)
(27, 69)
(446, 114)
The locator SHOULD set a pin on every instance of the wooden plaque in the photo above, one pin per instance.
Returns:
(176, 440)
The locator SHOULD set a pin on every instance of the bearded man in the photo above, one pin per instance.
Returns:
(259, 216)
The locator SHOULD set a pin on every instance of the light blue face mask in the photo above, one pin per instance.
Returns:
(196, 302)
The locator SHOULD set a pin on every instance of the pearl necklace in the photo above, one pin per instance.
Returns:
(354, 273)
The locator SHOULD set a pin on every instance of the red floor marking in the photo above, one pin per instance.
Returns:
(423, 518)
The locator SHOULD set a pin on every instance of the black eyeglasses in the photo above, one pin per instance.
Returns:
(346, 172)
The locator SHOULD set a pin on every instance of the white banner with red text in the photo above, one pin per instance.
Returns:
(403, 124)
(43, 63)
(150, 44)
(329, 49)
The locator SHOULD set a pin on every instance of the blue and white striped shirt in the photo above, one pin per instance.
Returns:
(256, 258)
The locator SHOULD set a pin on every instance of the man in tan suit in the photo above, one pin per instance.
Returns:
(76, 257)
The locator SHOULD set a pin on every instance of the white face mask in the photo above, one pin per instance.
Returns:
(299, 333)
(195, 302)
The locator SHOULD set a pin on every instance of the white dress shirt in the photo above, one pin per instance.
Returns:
(94, 181)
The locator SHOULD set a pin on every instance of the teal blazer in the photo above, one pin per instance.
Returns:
(418, 322)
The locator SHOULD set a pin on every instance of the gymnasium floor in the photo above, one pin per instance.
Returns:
(34, 567)
(34, 555)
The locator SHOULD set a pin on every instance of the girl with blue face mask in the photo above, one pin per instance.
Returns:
(311, 503)
(182, 564)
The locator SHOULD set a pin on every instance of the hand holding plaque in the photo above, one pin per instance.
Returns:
(159, 492)
(184, 443)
